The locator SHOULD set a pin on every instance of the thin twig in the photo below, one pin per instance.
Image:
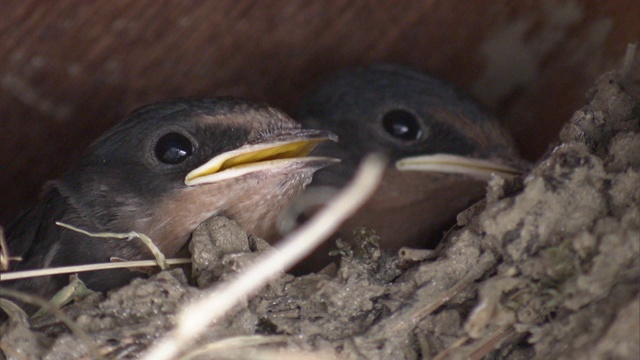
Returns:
(75, 290)
(15, 275)
(195, 318)
(76, 330)
(495, 339)
(455, 345)
(237, 342)
(406, 320)
(157, 254)
(5, 258)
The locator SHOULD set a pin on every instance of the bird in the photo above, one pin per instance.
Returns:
(166, 168)
(443, 146)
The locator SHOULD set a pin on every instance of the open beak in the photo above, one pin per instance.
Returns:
(454, 164)
(278, 150)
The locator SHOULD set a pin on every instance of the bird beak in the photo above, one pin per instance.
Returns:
(275, 151)
(454, 164)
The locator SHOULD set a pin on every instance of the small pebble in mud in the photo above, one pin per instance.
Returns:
(221, 246)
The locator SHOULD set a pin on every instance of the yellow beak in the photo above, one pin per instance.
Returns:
(249, 158)
(453, 164)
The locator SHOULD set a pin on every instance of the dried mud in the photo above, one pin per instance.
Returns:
(547, 266)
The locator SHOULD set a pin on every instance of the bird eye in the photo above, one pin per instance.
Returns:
(402, 124)
(173, 148)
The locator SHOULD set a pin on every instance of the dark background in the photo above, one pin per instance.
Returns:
(70, 69)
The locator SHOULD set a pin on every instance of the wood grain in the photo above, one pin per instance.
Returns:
(70, 69)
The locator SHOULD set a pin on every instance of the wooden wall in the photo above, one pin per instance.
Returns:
(70, 69)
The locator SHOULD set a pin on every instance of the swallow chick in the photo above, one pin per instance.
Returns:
(165, 169)
(443, 147)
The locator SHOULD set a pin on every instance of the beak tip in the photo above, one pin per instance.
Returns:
(455, 164)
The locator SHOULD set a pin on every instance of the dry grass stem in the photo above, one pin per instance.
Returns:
(160, 258)
(15, 275)
(195, 318)
(5, 258)
(234, 343)
(55, 311)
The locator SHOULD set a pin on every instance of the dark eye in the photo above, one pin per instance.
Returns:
(402, 124)
(173, 148)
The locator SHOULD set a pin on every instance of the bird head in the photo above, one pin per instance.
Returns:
(443, 147)
(172, 164)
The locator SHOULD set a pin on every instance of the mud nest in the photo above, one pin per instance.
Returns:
(547, 266)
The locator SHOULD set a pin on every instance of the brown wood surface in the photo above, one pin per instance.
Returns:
(70, 69)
